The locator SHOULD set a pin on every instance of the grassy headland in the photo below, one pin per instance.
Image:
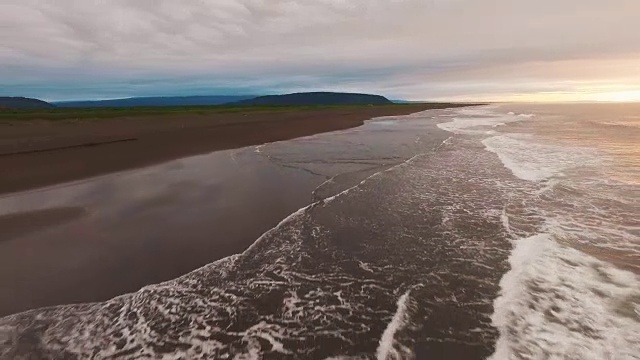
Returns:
(95, 113)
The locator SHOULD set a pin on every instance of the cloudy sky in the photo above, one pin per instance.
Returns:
(411, 49)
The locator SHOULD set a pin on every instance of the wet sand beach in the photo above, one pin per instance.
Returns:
(39, 153)
(384, 261)
(97, 238)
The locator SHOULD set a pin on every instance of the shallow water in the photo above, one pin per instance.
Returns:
(468, 233)
(573, 290)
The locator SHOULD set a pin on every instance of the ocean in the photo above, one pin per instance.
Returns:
(503, 231)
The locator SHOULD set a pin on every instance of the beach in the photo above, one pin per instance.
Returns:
(36, 153)
(502, 231)
(91, 239)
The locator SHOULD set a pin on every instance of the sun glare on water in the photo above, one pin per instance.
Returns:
(608, 94)
(587, 95)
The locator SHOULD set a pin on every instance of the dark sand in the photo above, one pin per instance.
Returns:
(64, 255)
(16, 225)
(36, 154)
(68, 255)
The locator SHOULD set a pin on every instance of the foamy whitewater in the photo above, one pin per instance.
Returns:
(485, 232)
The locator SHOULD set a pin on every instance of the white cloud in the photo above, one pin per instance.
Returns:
(378, 44)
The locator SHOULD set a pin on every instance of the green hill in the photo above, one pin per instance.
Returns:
(166, 101)
(317, 98)
(23, 103)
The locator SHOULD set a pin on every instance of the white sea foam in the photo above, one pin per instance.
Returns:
(526, 159)
(289, 218)
(291, 306)
(536, 162)
(258, 149)
(487, 110)
(388, 349)
(467, 125)
(404, 163)
(559, 303)
(225, 265)
(467, 120)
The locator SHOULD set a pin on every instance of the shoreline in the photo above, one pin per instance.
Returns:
(203, 279)
(120, 251)
(46, 153)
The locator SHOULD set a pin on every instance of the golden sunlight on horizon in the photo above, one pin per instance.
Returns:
(580, 96)
(621, 96)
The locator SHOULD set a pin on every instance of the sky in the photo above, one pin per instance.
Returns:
(461, 50)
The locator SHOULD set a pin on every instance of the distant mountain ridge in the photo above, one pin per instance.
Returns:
(299, 99)
(156, 101)
(317, 98)
(23, 103)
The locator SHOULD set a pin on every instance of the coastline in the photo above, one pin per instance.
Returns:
(119, 249)
(259, 296)
(45, 153)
